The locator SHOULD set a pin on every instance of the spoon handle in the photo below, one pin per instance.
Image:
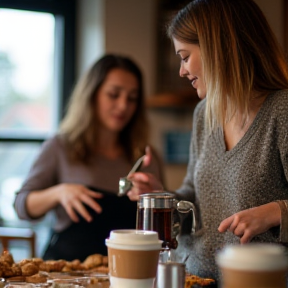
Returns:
(136, 165)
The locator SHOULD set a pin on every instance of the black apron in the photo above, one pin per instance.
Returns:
(82, 239)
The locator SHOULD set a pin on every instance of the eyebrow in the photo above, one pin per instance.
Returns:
(119, 87)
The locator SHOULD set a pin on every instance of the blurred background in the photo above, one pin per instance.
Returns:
(46, 45)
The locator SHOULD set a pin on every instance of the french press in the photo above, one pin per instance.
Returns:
(159, 211)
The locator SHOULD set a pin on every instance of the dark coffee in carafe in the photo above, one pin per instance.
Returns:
(161, 221)
(159, 211)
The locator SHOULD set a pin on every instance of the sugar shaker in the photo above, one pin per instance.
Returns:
(170, 275)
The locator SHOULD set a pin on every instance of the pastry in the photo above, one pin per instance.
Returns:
(93, 260)
(37, 278)
(7, 257)
(29, 269)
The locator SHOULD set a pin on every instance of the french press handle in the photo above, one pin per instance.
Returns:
(185, 207)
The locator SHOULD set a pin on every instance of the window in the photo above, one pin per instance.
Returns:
(37, 56)
(28, 102)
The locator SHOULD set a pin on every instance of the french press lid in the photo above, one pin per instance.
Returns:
(157, 200)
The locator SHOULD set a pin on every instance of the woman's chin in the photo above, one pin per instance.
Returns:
(201, 94)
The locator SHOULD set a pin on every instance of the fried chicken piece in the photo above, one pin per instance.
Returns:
(24, 262)
(67, 268)
(6, 256)
(37, 278)
(57, 265)
(45, 267)
(105, 260)
(193, 279)
(29, 269)
(5, 269)
(101, 269)
(73, 266)
(16, 279)
(93, 260)
(8, 272)
(76, 264)
(16, 268)
(52, 265)
(37, 261)
(3, 266)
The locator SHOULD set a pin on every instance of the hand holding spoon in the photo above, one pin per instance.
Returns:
(124, 184)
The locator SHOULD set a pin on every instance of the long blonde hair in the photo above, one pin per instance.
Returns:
(80, 124)
(239, 53)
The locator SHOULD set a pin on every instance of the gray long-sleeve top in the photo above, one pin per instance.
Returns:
(53, 167)
(222, 183)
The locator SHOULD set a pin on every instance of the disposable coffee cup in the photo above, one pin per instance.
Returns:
(253, 266)
(133, 258)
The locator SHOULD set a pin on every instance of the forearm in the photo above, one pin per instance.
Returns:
(38, 203)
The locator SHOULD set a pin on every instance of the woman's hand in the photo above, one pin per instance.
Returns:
(248, 223)
(143, 182)
(73, 196)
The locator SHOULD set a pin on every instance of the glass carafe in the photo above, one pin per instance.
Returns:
(159, 211)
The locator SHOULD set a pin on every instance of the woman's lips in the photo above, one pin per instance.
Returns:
(193, 81)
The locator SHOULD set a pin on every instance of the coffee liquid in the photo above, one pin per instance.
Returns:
(159, 220)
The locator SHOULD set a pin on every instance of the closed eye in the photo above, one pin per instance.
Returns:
(113, 95)
(185, 59)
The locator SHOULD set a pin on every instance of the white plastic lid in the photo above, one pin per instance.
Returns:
(134, 240)
(255, 257)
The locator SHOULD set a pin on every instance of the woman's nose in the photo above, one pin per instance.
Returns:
(182, 71)
(122, 103)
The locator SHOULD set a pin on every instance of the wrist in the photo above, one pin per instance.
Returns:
(55, 194)
(282, 205)
(275, 213)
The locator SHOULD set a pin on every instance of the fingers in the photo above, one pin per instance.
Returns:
(247, 237)
(73, 198)
(133, 196)
(71, 213)
(138, 177)
(91, 203)
(245, 224)
(225, 224)
(79, 207)
(96, 195)
(148, 156)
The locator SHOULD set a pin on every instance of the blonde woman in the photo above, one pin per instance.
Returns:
(77, 172)
(238, 169)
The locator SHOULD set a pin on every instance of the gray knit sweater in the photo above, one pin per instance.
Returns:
(221, 182)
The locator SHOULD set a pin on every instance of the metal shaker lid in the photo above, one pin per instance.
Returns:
(157, 200)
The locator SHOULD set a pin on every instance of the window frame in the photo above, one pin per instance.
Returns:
(66, 69)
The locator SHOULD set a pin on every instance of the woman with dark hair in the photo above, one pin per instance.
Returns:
(237, 174)
(77, 172)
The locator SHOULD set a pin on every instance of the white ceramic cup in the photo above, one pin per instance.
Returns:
(133, 258)
(253, 265)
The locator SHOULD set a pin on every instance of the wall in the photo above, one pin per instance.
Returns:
(122, 26)
(273, 10)
(90, 33)
(129, 26)
(130, 29)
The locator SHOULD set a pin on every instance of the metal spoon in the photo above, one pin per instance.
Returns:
(124, 184)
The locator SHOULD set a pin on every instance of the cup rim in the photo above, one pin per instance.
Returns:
(253, 256)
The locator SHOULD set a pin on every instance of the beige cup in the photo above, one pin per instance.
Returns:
(253, 266)
(133, 258)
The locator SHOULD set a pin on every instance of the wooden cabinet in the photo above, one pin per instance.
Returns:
(172, 91)
(173, 100)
